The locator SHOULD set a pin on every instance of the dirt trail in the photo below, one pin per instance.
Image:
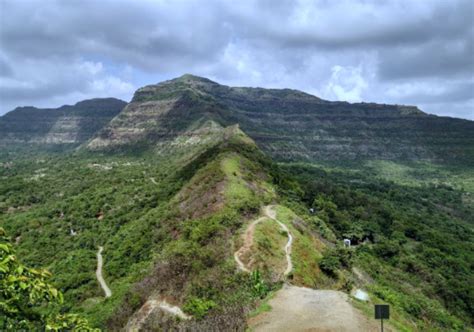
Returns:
(139, 318)
(272, 215)
(248, 241)
(304, 309)
(98, 273)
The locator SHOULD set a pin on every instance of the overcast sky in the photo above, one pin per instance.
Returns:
(405, 52)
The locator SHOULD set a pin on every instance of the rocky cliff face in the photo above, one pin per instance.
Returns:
(289, 124)
(69, 125)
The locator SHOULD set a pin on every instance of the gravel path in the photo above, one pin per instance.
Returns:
(98, 273)
(304, 309)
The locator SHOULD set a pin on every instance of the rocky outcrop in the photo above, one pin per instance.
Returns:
(66, 125)
(290, 124)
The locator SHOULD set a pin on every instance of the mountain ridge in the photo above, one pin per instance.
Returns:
(289, 125)
(68, 124)
(292, 125)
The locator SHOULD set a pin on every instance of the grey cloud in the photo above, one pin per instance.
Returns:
(5, 69)
(452, 93)
(135, 32)
(267, 43)
(440, 59)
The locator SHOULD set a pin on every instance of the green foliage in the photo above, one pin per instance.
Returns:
(387, 249)
(259, 287)
(330, 264)
(27, 300)
(335, 259)
(415, 238)
(198, 307)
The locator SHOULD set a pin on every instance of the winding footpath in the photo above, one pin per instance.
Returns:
(98, 273)
(248, 241)
(270, 212)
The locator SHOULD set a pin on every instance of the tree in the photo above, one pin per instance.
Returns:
(27, 300)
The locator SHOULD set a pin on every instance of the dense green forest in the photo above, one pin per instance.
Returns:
(413, 236)
(58, 209)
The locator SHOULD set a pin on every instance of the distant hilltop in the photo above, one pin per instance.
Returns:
(288, 124)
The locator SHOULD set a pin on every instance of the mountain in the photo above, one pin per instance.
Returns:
(66, 125)
(289, 125)
(180, 212)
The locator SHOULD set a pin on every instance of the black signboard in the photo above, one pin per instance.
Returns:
(382, 311)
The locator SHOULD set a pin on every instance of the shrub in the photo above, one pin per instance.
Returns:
(198, 307)
(335, 259)
(258, 286)
(387, 249)
(27, 300)
(329, 264)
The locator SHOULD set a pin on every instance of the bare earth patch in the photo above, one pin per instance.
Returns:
(305, 309)
(139, 318)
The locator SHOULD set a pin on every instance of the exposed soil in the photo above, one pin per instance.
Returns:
(272, 215)
(98, 273)
(245, 249)
(139, 318)
(305, 309)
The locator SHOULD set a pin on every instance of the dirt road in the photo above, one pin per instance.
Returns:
(304, 309)
(98, 273)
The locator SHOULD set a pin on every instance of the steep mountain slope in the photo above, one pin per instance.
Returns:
(66, 125)
(289, 124)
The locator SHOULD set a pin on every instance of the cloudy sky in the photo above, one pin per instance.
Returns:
(55, 52)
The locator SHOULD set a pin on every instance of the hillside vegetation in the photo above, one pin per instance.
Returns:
(200, 228)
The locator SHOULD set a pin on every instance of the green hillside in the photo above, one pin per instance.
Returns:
(203, 220)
